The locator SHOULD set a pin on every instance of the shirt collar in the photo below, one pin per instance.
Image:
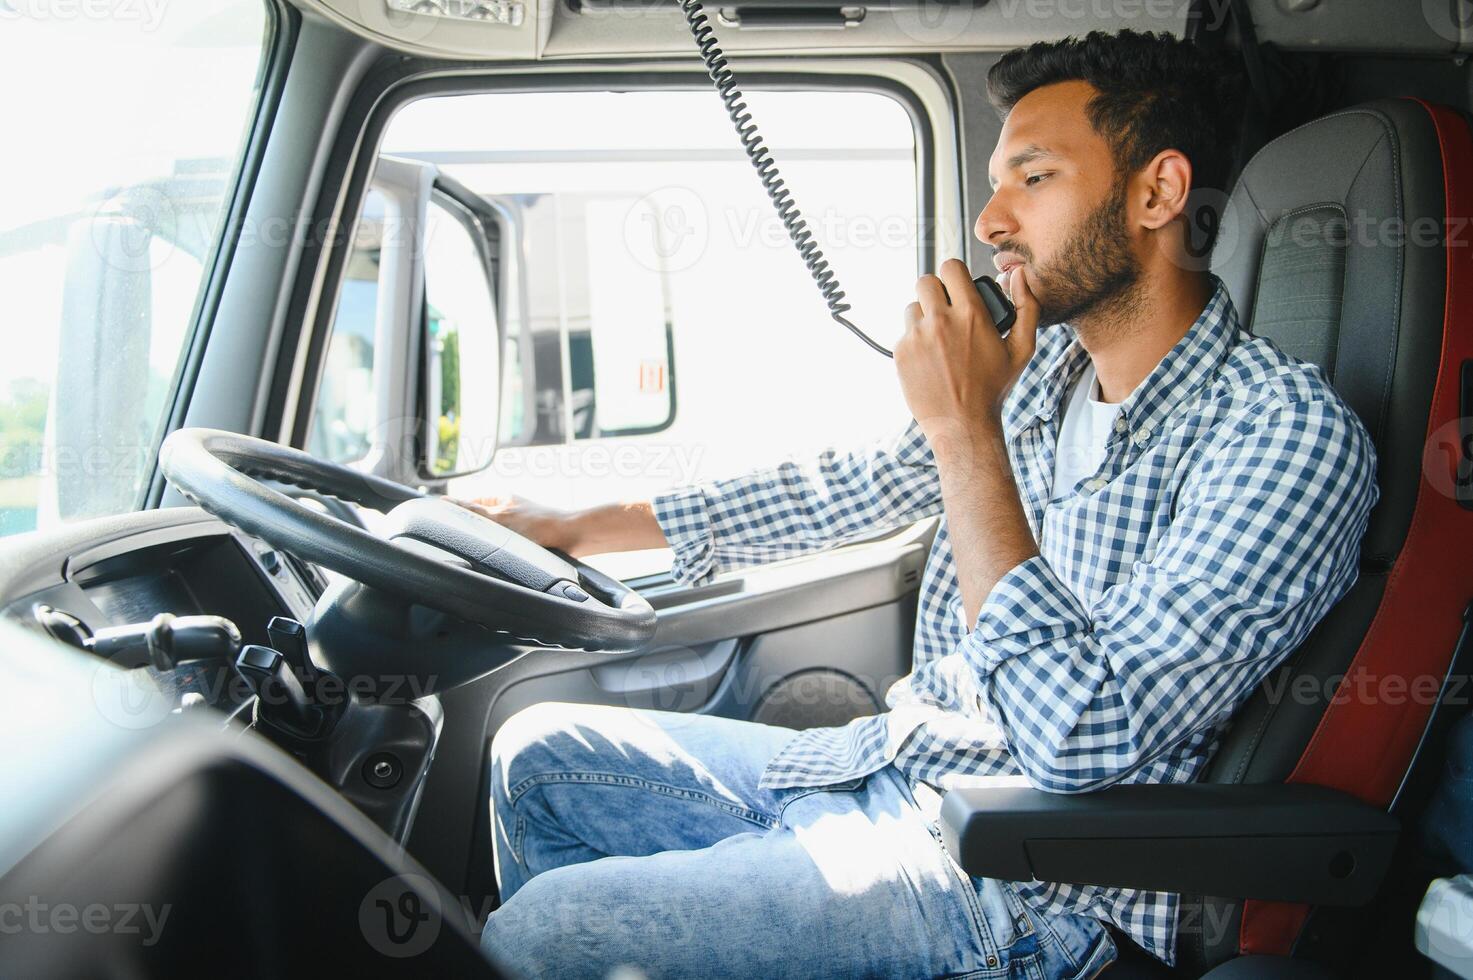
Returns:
(1186, 368)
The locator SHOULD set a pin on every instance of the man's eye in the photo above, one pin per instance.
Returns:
(1034, 177)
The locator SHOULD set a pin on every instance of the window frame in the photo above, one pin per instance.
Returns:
(378, 109)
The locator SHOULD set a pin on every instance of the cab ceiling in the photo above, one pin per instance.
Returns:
(565, 29)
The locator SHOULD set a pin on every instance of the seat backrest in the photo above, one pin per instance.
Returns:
(1345, 242)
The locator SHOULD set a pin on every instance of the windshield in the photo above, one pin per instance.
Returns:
(124, 124)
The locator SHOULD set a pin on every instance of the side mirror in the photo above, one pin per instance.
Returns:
(467, 322)
(464, 332)
(409, 387)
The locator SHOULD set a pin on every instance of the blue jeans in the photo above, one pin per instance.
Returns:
(634, 837)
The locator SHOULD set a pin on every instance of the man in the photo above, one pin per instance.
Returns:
(1145, 511)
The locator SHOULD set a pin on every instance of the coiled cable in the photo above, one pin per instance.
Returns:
(761, 157)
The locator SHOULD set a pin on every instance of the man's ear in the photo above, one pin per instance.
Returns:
(1165, 183)
(1167, 201)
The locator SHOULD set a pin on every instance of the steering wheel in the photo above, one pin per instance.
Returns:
(431, 552)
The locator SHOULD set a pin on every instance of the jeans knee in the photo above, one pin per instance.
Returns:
(523, 744)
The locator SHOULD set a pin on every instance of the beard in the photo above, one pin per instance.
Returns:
(1095, 274)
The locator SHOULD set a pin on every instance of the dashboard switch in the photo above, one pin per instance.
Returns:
(167, 639)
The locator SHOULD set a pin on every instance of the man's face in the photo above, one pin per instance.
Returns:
(1058, 208)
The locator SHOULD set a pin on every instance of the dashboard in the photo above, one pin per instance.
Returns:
(181, 562)
(90, 583)
(198, 562)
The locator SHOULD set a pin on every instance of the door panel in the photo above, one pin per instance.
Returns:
(831, 631)
(790, 593)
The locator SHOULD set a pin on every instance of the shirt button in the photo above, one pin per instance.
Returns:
(1120, 423)
(1095, 485)
(1142, 437)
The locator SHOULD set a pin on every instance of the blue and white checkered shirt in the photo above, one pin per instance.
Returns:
(1223, 523)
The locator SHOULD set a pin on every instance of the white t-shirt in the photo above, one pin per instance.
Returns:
(1082, 434)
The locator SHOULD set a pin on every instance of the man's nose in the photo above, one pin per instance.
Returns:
(995, 222)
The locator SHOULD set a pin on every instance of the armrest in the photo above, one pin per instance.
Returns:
(1279, 842)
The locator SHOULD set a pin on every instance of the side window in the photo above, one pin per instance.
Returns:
(343, 415)
(661, 328)
(124, 136)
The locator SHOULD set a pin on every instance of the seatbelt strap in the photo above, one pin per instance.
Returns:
(1252, 57)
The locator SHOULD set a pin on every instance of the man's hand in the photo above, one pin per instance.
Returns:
(539, 523)
(955, 371)
(597, 530)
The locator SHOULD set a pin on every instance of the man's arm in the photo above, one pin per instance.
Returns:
(984, 514)
(957, 373)
(797, 507)
(1265, 539)
(605, 528)
(790, 509)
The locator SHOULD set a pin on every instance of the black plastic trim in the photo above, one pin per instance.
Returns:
(1277, 842)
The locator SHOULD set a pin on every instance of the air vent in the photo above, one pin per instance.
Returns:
(308, 575)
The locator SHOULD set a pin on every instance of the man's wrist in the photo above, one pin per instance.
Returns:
(583, 534)
(626, 526)
(967, 448)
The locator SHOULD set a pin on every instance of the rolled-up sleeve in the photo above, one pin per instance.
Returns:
(1265, 539)
(798, 506)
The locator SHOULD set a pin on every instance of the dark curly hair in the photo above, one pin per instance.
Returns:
(1156, 92)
